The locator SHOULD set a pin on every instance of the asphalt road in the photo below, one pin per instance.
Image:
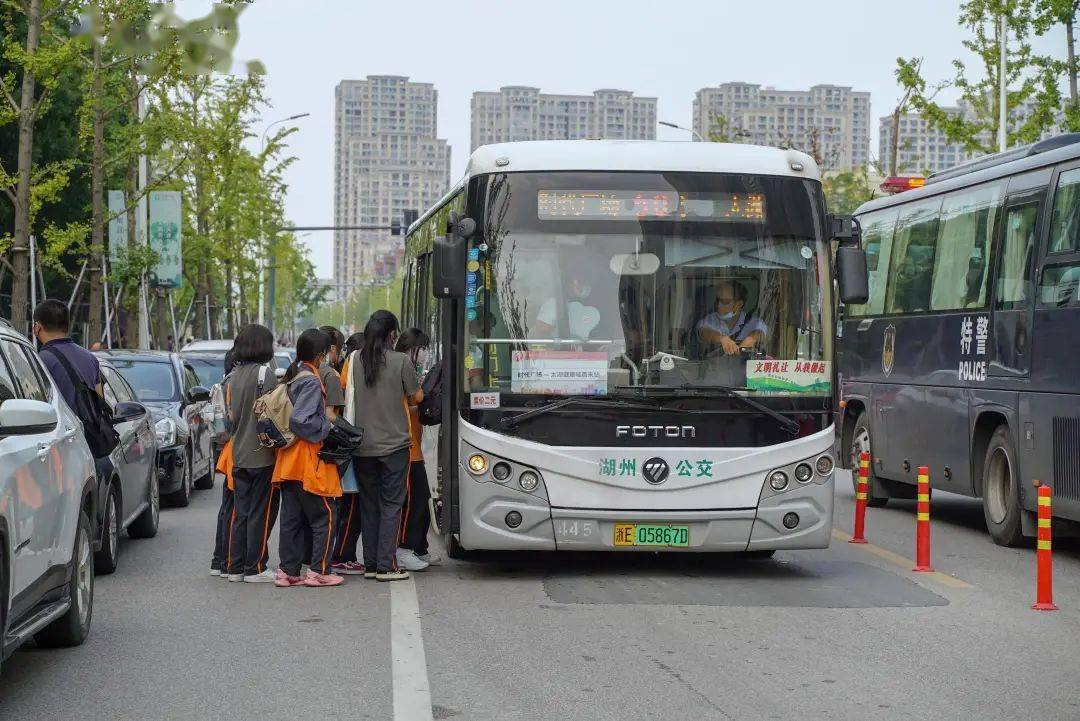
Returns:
(843, 633)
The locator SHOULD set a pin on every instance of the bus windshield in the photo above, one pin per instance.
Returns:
(600, 283)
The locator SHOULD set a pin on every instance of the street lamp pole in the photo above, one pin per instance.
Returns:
(695, 133)
(262, 232)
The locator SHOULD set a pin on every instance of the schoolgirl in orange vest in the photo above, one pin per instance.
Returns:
(309, 485)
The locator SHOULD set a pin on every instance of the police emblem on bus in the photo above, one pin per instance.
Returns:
(655, 431)
(655, 470)
(888, 350)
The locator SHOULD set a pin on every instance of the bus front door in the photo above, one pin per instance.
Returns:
(1014, 288)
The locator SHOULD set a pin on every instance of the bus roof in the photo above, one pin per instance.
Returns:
(1052, 151)
(639, 155)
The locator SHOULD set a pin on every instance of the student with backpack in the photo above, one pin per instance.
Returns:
(77, 375)
(412, 552)
(223, 465)
(255, 501)
(383, 382)
(347, 533)
(309, 485)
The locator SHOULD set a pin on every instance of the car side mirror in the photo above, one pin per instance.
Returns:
(128, 411)
(851, 275)
(198, 394)
(20, 417)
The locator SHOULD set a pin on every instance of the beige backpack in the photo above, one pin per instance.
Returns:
(272, 413)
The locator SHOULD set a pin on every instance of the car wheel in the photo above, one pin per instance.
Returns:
(73, 627)
(1000, 491)
(146, 525)
(182, 497)
(106, 560)
(860, 441)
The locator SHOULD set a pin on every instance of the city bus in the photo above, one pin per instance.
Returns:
(962, 359)
(566, 285)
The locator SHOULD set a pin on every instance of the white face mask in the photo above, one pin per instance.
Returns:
(422, 357)
(727, 316)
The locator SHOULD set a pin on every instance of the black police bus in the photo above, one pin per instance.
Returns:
(963, 357)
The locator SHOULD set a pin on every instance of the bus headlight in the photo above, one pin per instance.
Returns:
(824, 465)
(803, 473)
(528, 481)
(477, 464)
(778, 481)
(500, 471)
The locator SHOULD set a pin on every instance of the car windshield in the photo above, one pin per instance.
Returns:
(209, 369)
(152, 380)
(596, 283)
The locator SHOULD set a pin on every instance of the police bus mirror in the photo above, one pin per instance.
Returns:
(465, 228)
(851, 274)
(448, 267)
(845, 230)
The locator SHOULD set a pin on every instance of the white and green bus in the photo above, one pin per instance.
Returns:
(635, 341)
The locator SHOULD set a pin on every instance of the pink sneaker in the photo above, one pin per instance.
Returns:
(284, 580)
(320, 579)
(348, 568)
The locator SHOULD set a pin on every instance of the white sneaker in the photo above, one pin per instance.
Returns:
(266, 576)
(431, 559)
(234, 577)
(215, 571)
(410, 561)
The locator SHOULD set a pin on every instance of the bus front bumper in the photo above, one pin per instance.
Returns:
(546, 528)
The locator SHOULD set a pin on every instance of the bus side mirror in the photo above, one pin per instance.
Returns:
(448, 267)
(851, 274)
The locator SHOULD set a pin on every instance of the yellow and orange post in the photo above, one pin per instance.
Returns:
(922, 523)
(862, 488)
(1044, 583)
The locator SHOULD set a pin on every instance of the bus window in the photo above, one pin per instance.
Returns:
(1017, 255)
(1060, 286)
(913, 258)
(877, 241)
(1065, 225)
(967, 228)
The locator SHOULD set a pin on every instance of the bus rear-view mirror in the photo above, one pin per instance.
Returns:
(851, 275)
(448, 267)
(634, 264)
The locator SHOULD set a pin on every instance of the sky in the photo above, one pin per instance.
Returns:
(667, 50)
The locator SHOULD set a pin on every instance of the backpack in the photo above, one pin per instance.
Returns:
(92, 410)
(219, 401)
(430, 409)
(272, 413)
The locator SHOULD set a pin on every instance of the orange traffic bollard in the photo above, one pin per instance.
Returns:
(922, 523)
(1044, 584)
(861, 490)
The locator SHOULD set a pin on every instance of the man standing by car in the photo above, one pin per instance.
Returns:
(51, 332)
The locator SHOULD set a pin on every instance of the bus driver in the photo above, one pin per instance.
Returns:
(728, 326)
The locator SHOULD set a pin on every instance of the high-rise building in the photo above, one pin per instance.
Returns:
(523, 113)
(924, 149)
(831, 122)
(387, 159)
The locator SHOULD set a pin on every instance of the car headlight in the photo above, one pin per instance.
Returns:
(165, 429)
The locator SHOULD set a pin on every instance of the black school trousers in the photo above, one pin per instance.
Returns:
(347, 534)
(302, 512)
(255, 501)
(416, 516)
(381, 480)
(219, 561)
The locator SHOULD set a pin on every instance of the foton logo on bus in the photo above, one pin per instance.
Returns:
(655, 432)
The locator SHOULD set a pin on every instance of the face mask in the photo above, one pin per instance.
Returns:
(421, 358)
(727, 316)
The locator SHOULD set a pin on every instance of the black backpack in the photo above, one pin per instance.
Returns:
(430, 409)
(92, 410)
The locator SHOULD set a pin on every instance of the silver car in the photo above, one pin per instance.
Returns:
(47, 503)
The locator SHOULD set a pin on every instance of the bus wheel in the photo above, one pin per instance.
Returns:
(454, 549)
(1001, 503)
(860, 441)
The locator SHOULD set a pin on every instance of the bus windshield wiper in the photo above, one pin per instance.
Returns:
(511, 421)
(790, 424)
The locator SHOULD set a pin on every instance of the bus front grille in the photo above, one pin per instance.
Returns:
(1066, 452)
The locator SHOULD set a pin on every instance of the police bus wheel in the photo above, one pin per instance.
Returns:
(860, 441)
(1000, 490)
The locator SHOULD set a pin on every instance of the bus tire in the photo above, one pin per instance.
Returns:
(454, 549)
(1000, 490)
(861, 441)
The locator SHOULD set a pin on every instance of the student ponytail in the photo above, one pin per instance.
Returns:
(377, 334)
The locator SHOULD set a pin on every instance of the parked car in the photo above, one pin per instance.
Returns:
(127, 478)
(208, 346)
(48, 499)
(170, 388)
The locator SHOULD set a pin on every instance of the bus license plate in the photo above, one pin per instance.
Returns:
(636, 534)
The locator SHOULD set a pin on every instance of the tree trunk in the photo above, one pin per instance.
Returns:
(97, 193)
(131, 293)
(20, 249)
(230, 310)
(894, 150)
(1071, 49)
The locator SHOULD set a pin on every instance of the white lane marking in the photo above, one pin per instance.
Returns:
(412, 693)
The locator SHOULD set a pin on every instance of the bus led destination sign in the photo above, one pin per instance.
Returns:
(650, 205)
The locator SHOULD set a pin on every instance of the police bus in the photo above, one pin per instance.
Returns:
(963, 358)
(636, 347)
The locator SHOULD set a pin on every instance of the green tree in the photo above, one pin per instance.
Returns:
(1048, 14)
(846, 191)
